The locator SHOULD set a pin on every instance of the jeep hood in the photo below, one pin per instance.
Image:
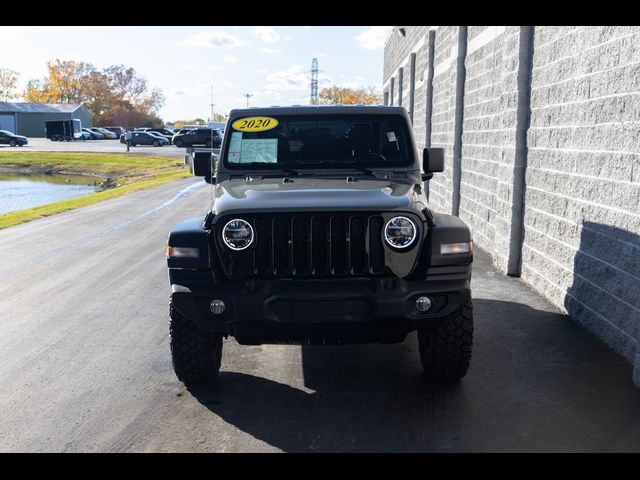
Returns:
(316, 194)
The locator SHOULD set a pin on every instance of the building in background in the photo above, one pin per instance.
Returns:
(540, 127)
(29, 119)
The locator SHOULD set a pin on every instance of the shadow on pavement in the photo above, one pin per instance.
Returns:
(538, 382)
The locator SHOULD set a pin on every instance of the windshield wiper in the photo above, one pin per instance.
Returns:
(334, 163)
(275, 166)
(370, 154)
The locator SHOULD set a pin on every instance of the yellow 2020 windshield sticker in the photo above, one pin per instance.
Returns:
(254, 124)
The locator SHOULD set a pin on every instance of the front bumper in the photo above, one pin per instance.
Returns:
(335, 310)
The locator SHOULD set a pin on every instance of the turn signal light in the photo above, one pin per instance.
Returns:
(450, 248)
(182, 252)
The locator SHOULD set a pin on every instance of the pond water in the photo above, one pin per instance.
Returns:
(20, 191)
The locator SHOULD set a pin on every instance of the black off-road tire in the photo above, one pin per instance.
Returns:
(445, 352)
(12, 143)
(196, 355)
(179, 143)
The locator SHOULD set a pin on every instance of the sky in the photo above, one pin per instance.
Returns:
(271, 63)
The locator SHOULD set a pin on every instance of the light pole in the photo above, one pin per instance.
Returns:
(247, 95)
(212, 105)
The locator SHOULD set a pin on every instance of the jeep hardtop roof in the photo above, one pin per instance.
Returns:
(319, 110)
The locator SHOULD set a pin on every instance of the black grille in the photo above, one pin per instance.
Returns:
(317, 245)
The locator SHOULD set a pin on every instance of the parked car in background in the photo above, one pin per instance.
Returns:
(218, 125)
(208, 137)
(117, 130)
(11, 139)
(93, 135)
(85, 135)
(160, 135)
(147, 138)
(107, 133)
(165, 132)
(100, 132)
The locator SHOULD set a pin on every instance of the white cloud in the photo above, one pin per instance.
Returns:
(373, 38)
(269, 50)
(189, 66)
(267, 34)
(230, 59)
(211, 40)
(293, 78)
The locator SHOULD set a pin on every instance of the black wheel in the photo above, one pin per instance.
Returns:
(445, 352)
(196, 355)
(12, 143)
(133, 144)
(156, 143)
(179, 143)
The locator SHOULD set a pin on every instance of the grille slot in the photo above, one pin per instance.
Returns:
(299, 247)
(280, 246)
(319, 246)
(338, 245)
(356, 245)
(376, 250)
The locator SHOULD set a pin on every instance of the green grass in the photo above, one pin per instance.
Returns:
(130, 173)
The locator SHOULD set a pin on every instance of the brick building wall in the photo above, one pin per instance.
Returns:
(540, 129)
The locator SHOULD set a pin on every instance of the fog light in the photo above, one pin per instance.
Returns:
(423, 304)
(217, 307)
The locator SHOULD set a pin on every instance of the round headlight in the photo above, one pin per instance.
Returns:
(400, 232)
(237, 234)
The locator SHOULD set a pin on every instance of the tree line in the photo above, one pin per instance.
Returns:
(116, 95)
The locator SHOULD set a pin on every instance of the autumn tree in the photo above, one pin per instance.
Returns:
(349, 96)
(116, 95)
(178, 124)
(8, 82)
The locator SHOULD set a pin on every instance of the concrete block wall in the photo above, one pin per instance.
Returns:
(483, 137)
(568, 115)
(582, 217)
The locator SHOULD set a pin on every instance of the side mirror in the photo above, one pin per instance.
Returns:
(202, 166)
(432, 162)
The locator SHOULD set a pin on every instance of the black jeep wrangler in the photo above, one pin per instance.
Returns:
(320, 232)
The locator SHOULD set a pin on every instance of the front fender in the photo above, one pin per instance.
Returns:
(447, 229)
(192, 234)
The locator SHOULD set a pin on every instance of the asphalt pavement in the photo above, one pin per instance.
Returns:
(85, 364)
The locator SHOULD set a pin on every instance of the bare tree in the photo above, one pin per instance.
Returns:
(8, 82)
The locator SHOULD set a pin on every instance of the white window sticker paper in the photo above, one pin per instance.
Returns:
(263, 150)
(235, 147)
(391, 136)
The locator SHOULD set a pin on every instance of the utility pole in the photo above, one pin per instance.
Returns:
(314, 82)
(247, 95)
(213, 118)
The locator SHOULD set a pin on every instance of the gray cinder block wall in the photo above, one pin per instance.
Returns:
(541, 129)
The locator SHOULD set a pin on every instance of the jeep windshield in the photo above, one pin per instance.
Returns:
(318, 142)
